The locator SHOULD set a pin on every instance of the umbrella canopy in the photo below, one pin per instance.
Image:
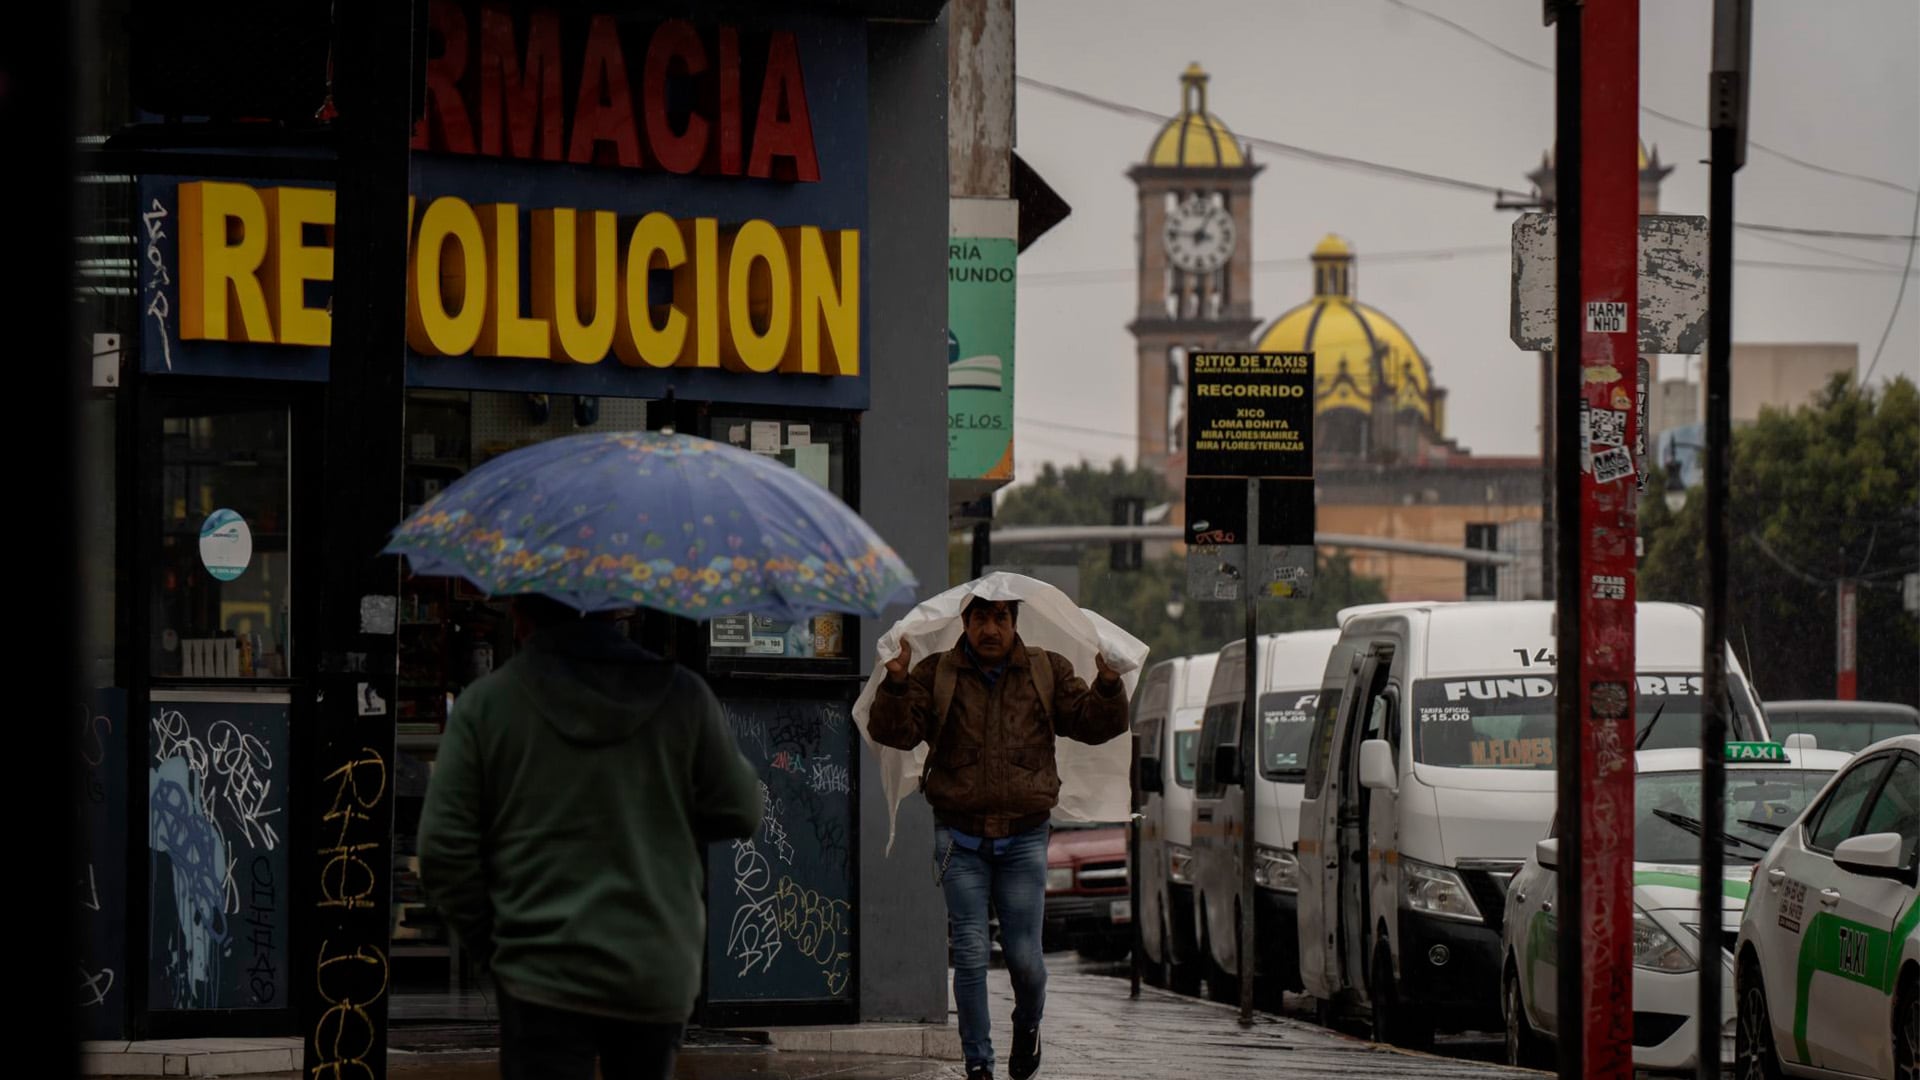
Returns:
(669, 522)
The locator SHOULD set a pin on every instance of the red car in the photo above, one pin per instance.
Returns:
(1089, 906)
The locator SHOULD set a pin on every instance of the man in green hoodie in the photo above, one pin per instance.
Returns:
(561, 840)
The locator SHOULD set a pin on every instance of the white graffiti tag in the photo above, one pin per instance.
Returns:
(158, 307)
(754, 935)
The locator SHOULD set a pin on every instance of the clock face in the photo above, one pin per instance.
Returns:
(1199, 236)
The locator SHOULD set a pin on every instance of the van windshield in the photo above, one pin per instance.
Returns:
(1286, 732)
(1507, 722)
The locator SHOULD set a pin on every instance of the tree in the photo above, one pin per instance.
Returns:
(1139, 601)
(1819, 493)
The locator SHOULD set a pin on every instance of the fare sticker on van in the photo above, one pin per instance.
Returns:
(1533, 753)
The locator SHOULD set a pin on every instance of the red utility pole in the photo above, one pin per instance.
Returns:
(1604, 576)
(1847, 684)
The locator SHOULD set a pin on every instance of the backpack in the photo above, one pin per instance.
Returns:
(1039, 663)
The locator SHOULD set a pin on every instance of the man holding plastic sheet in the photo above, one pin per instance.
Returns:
(989, 710)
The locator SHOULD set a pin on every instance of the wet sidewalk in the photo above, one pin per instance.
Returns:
(1094, 1031)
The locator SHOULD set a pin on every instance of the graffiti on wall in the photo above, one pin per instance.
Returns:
(780, 918)
(217, 865)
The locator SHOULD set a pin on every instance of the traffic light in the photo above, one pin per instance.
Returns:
(1125, 554)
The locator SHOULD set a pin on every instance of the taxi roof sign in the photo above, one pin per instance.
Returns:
(1756, 751)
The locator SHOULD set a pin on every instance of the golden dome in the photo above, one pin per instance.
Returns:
(1332, 247)
(1196, 139)
(1354, 347)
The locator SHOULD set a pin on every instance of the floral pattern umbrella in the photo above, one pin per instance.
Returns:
(644, 519)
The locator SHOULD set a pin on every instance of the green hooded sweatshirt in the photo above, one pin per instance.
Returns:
(563, 825)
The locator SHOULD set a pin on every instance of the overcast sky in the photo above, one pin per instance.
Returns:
(1835, 81)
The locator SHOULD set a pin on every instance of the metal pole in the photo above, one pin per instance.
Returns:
(343, 1013)
(1549, 438)
(1566, 385)
(1732, 22)
(1249, 753)
(39, 107)
(1602, 581)
(1137, 801)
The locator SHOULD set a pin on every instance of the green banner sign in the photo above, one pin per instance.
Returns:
(980, 291)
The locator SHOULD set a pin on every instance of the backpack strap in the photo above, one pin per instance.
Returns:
(1040, 662)
(945, 673)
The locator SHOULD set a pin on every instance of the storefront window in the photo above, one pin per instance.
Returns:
(818, 450)
(222, 584)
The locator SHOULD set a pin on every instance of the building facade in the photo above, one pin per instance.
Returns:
(732, 226)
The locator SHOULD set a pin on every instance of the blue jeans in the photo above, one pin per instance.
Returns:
(1015, 882)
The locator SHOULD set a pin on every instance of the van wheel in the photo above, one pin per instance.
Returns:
(1181, 978)
(1393, 1022)
(1221, 987)
(1525, 1047)
(1154, 972)
(1754, 1057)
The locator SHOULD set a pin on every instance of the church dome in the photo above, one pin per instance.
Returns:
(1360, 356)
(1196, 139)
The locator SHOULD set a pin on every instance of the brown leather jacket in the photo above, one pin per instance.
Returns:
(991, 769)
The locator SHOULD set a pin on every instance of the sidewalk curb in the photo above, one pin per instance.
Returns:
(191, 1057)
(928, 1041)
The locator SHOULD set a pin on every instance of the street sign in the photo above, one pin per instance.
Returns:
(1250, 450)
(1672, 286)
(1249, 416)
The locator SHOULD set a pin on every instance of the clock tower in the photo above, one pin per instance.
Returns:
(1195, 238)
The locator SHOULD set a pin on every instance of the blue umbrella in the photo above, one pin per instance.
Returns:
(669, 522)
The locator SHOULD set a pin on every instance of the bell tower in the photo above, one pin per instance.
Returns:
(1193, 243)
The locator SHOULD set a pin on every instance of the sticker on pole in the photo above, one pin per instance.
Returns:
(1606, 317)
(226, 544)
(1613, 464)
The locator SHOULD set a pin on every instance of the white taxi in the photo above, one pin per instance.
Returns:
(1829, 947)
(1767, 788)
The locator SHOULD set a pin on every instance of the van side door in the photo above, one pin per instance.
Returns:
(1151, 728)
(1347, 839)
(1314, 846)
(1216, 855)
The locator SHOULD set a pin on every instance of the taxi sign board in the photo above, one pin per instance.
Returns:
(1756, 751)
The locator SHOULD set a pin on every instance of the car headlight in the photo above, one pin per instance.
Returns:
(1275, 868)
(1654, 948)
(1059, 878)
(1180, 864)
(1436, 890)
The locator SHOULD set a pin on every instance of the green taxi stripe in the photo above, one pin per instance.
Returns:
(1732, 888)
(1820, 951)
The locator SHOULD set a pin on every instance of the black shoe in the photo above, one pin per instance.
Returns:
(1025, 1064)
(982, 1073)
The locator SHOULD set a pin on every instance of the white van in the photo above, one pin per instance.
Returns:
(1431, 777)
(1167, 712)
(1290, 671)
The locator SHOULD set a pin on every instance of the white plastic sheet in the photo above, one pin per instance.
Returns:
(1093, 779)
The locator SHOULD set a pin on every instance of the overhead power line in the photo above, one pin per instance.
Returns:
(1117, 275)
(1476, 36)
(1397, 172)
(1898, 297)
